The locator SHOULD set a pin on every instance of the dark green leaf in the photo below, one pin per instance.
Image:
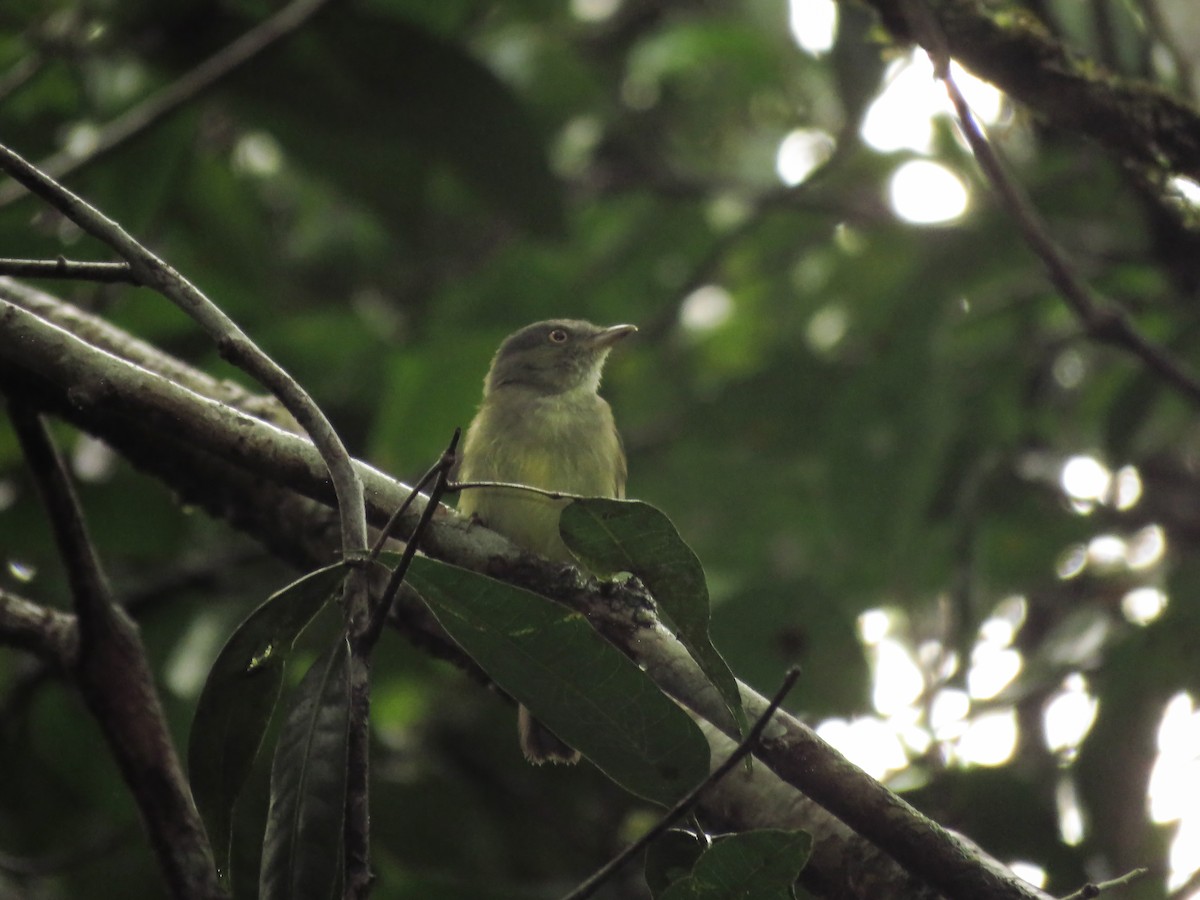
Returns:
(240, 695)
(582, 688)
(308, 785)
(753, 865)
(612, 536)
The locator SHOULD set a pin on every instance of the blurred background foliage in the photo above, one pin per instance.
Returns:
(903, 464)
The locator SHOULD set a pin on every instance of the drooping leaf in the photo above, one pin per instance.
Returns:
(582, 688)
(753, 865)
(308, 785)
(630, 536)
(239, 697)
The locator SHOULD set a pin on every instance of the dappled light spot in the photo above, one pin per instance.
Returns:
(1175, 780)
(1071, 824)
(1085, 478)
(873, 626)
(898, 679)
(1187, 189)
(21, 571)
(867, 742)
(93, 460)
(1143, 605)
(1146, 547)
(1128, 488)
(926, 193)
(1069, 369)
(705, 309)
(727, 210)
(1106, 552)
(1071, 562)
(1174, 791)
(989, 740)
(948, 714)
(1028, 872)
(82, 139)
(813, 24)
(827, 327)
(573, 147)
(594, 10)
(1068, 715)
(801, 153)
(192, 657)
(257, 153)
(992, 669)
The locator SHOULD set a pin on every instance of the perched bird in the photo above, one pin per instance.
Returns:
(543, 424)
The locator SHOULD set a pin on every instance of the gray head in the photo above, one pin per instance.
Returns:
(554, 356)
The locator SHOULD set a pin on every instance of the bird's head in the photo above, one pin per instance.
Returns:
(555, 356)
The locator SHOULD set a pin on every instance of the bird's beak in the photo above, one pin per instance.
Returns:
(610, 336)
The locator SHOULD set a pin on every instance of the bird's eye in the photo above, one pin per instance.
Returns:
(558, 336)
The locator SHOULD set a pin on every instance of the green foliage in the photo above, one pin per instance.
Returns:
(585, 690)
(753, 865)
(671, 858)
(308, 786)
(239, 697)
(876, 418)
(613, 536)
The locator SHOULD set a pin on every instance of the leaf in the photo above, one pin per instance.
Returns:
(239, 697)
(672, 857)
(612, 536)
(753, 865)
(582, 688)
(308, 785)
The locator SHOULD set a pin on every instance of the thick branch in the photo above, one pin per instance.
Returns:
(1013, 50)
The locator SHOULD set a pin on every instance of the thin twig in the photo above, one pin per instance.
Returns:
(179, 93)
(456, 486)
(680, 809)
(438, 468)
(379, 615)
(116, 683)
(103, 272)
(49, 633)
(1091, 891)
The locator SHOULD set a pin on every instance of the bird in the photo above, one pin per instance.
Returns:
(542, 423)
